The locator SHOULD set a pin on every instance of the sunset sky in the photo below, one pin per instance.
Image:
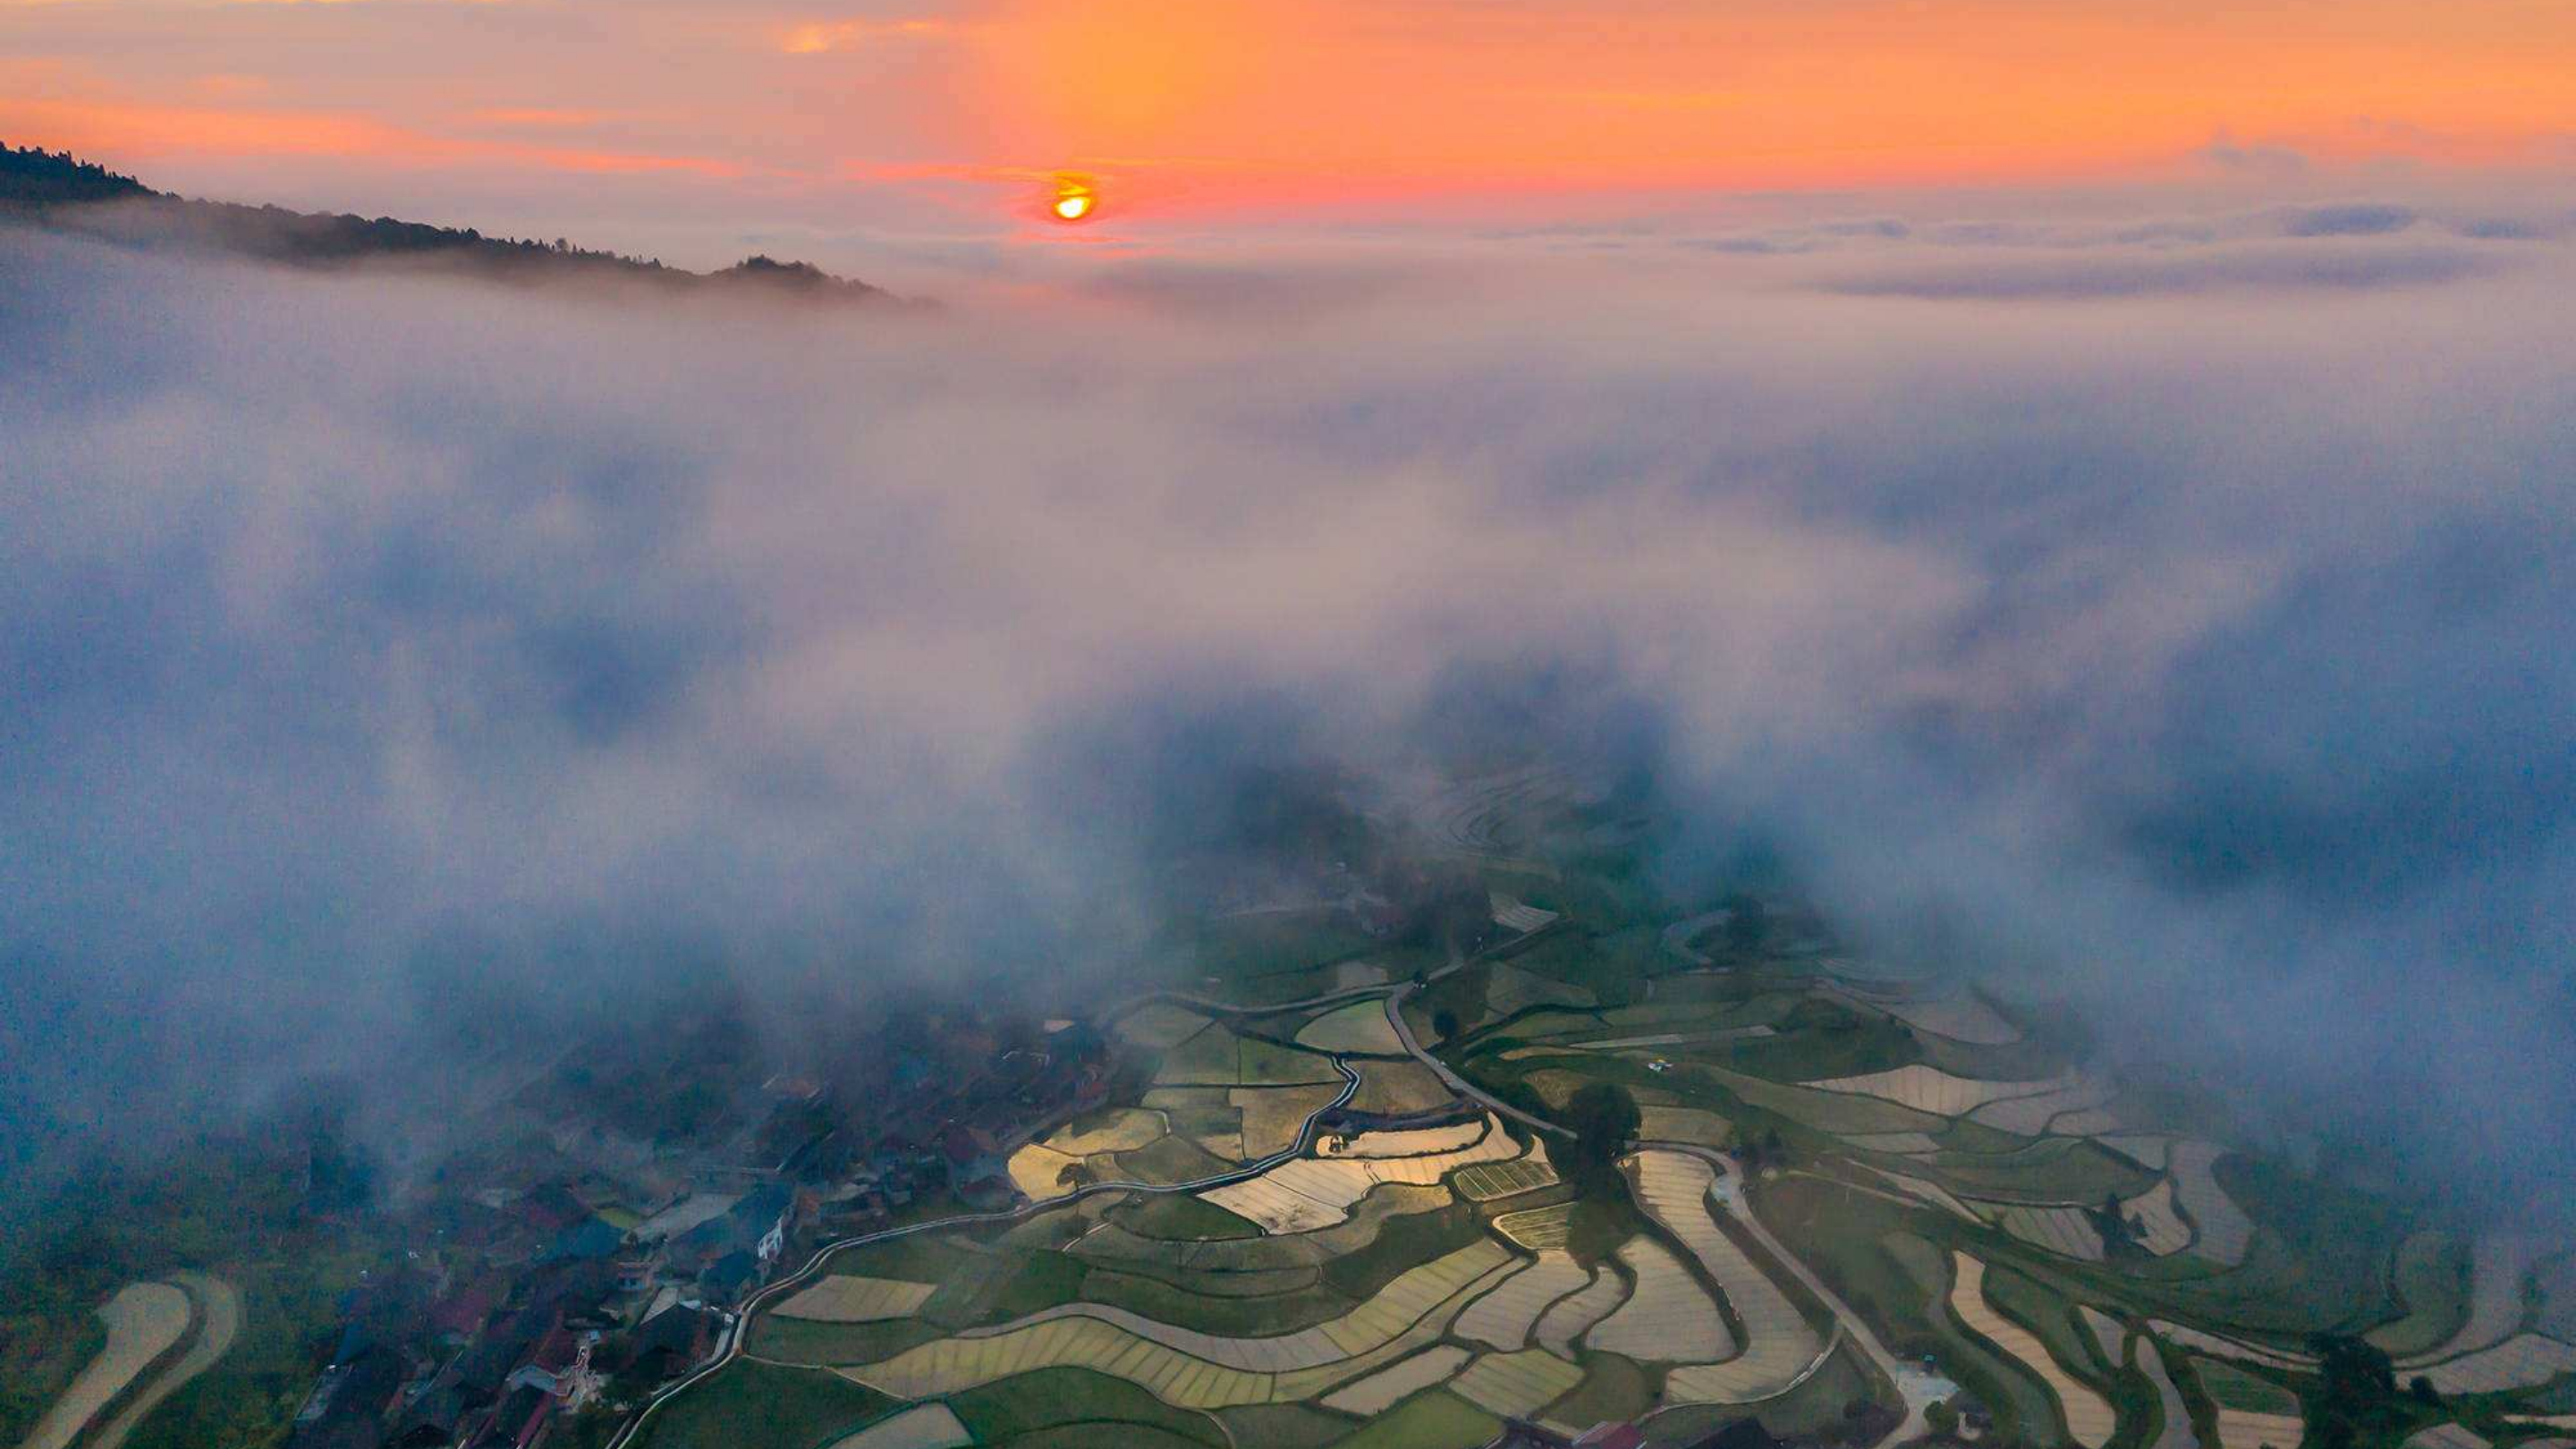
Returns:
(693, 127)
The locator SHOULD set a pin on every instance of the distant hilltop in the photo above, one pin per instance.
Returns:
(57, 192)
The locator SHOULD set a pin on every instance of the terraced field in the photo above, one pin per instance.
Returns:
(144, 1321)
(1489, 1181)
(2225, 1231)
(2030, 1116)
(2090, 1420)
(1392, 1385)
(1308, 1193)
(2252, 1413)
(1504, 1317)
(928, 1426)
(1902, 1144)
(1570, 1317)
(1199, 1370)
(2161, 1229)
(2524, 1361)
(1516, 1385)
(220, 1315)
(1674, 1188)
(1683, 1124)
(1931, 1194)
(2240, 1429)
(2431, 1285)
(2224, 1347)
(1391, 1288)
(2498, 1265)
(1269, 1118)
(1955, 1013)
(1514, 914)
(1937, 1093)
(1118, 1129)
(2065, 1231)
(1538, 1229)
(1668, 1316)
(854, 1299)
(1360, 1029)
(2175, 1429)
(1509, 989)
(2446, 1436)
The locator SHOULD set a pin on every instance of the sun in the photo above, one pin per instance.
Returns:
(1074, 198)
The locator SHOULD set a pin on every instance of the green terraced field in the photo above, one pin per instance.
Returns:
(1240, 1339)
(1041, 1407)
(1435, 1420)
(752, 1405)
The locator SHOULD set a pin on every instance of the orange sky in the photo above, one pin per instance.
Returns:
(1212, 106)
(1819, 92)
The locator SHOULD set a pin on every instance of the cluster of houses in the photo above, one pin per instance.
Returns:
(525, 1306)
(946, 1114)
(531, 1305)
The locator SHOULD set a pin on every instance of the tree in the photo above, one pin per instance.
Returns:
(1941, 1419)
(2354, 1399)
(1746, 923)
(1605, 1119)
(1445, 1023)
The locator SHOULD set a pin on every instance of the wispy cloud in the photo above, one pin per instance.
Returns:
(2122, 273)
(2353, 218)
(824, 37)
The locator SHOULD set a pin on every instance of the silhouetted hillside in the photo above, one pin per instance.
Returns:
(39, 177)
(54, 191)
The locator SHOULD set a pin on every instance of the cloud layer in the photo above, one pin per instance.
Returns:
(382, 645)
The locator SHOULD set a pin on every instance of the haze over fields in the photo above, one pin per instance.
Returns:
(2168, 612)
(1287, 724)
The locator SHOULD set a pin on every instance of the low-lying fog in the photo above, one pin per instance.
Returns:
(2188, 626)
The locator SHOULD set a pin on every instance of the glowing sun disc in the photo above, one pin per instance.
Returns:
(1073, 206)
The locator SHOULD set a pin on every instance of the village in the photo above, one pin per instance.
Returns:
(553, 1289)
(536, 1311)
(1515, 1156)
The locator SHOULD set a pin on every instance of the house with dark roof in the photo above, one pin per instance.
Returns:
(549, 1209)
(347, 1409)
(517, 1421)
(549, 1363)
(668, 1344)
(585, 1241)
(460, 1315)
(976, 1172)
(636, 1271)
(731, 1276)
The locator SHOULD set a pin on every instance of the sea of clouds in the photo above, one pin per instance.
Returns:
(2184, 622)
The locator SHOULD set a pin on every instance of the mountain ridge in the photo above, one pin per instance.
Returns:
(56, 191)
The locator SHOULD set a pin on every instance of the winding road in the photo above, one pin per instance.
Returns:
(738, 1328)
